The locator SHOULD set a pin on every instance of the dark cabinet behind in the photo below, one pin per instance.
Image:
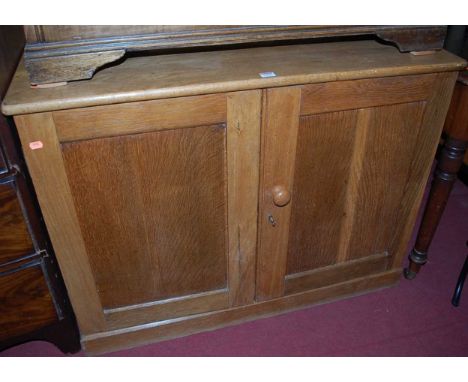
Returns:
(33, 302)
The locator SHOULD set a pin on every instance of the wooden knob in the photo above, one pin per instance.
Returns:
(281, 196)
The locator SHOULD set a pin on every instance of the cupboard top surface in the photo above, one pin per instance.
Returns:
(183, 74)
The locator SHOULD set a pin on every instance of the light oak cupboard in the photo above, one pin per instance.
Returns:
(186, 192)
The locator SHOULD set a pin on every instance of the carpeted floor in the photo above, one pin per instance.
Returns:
(414, 318)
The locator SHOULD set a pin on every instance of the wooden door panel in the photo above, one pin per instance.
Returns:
(152, 212)
(351, 194)
(391, 137)
(138, 199)
(320, 188)
(355, 146)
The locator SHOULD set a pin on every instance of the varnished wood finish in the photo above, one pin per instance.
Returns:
(167, 309)
(456, 124)
(334, 274)
(341, 194)
(54, 194)
(15, 239)
(243, 149)
(279, 139)
(391, 139)
(52, 70)
(429, 134)
(347, 180)
(58, 33)
(312, 223)
(152, 203)
(450, 160)
(358, 94)
(62, 53)
(151, 209)
(25, 302)
(159, 331)
(174, 35)
(449, 163)
(140, 117)
(223, 71)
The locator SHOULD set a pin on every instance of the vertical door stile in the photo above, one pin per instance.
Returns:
(279, 139)
(243, 157)
(43, 155)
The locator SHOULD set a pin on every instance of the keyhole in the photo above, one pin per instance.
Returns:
(272, 220)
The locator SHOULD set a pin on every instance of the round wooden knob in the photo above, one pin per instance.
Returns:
(281, 196)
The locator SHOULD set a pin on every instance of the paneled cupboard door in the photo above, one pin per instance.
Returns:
(151, 206)
(343, 166)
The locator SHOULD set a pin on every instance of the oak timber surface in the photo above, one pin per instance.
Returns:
(175, 75)
(152, 212)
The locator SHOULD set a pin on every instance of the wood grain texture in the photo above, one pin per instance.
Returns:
(336, 273)
(320, 189)
(176, 75)
(449, 162)
(429, 134)
(353, 182)
(50, 181)
(167, 309)
(69, 49)
(140, 117)
(152, 212)
(388, 151)
(456, 123)
(358, 94)
(243, 150)
(57, 33)
(144, 334)
(279, 139)
(25, 303)
(62, 69)
(344, 194)
(176, 35)
(15, 240)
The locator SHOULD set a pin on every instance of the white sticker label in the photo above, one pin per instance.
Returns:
(36, 145)
(267, 74)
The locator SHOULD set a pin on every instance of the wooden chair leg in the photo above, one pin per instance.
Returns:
(445, 175)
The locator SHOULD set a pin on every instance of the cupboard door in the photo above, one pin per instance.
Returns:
(153, 204)
(343, 169)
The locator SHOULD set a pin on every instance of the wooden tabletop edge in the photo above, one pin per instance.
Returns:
(218, 87)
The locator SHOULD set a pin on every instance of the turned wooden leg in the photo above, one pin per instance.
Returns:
(448, 165)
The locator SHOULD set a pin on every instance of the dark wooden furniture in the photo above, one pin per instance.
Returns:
(448, 165)
(185, 192)
(57, 53)
(33, 301)
(460, 282)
